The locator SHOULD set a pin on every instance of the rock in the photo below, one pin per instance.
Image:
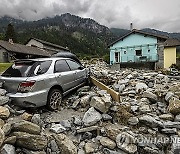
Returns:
(89, 147)
(77, 121)
(169, 131)
(170, 124)
(133, 121)
(75, 104)
(167, 116)
(65, 144)
(121, 88)
(125, 142)
(108, 151)
(85, 100)
(57, 128)
(145, 108)
(106, 142)
(1, 137)
(174, 106)
(150, 121)
(4, 112)
(33, 152)
(99, 104)
(106, 117)
(4, 100)
(140, 87)
(66, 123)
(91, 117)
(6, 128)
(152, 97)
(54, 146)
(30, 141)
(177, 118)
(26, 116)
(25, 126)
(10, 140)
(87, 129)
(8, 149)
(87, 136)
(2, 92)
(168, 96)
(36, 119)
(1, 123)
(112, 130)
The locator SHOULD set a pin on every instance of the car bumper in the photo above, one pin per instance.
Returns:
(30, 99)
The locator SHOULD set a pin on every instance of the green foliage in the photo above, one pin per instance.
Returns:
(106, 58)
(10, 33)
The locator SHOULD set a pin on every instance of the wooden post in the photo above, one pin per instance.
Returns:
(115, 95)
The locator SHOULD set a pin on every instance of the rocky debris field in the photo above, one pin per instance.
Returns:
(147, 119)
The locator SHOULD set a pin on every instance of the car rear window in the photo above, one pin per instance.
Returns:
(27, 68)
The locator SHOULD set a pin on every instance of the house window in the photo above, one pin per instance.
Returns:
(149, 50)
(138, 52)
(117, 56)
(124, 52)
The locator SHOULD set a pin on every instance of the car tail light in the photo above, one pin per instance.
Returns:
(26, 86)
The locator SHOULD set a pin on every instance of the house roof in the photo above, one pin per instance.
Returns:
(49, 44)
(19, 48)
(171, 43)
(139, 32)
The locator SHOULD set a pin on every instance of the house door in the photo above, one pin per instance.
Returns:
(117, 57)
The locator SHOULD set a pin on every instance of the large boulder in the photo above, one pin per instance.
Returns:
(99, 104)
(65, 144)
(91, 117)
(4, 112)
(30, 141)
(174, 106)
(152, 97)
(25, 126)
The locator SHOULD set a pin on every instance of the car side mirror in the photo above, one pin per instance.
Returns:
(80, 67)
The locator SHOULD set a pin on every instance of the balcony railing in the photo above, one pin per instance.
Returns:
(139, 59)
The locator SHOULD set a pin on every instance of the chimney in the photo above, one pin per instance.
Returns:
(11, 41)
(131, 26)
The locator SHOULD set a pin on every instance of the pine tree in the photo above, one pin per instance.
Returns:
(10, 33)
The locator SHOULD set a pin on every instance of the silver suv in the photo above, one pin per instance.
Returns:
(43, 81)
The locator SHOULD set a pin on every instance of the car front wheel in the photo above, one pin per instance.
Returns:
(54, 99)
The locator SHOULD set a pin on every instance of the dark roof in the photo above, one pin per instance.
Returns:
(50, 44)
(19, 48)
(171, 43)
(139, 32)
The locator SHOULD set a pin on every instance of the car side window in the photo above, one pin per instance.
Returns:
(73, 65)
(61, 66)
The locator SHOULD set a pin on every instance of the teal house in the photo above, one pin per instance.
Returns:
(137, 48)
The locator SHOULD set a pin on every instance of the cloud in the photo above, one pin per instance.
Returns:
(162, 15)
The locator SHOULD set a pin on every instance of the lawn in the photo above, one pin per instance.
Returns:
(4, 66)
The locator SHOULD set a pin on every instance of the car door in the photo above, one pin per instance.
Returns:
(79, 71)
(63, 74)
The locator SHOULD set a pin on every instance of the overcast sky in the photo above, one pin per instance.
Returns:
(159, 14)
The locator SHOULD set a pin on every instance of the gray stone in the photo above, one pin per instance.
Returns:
(57, 128)
(91, 117)
(77, 121)
(106, 117)
(177, 118)
(134, 108)
(90, 147)
(168, 96)
(152, 97)
(1, 123)
(140, 87)
(145, 108)
(121, 88)
(169, 130)
(2, 92)
(108, 151)
(125, 142)
(170, 124)
(99, 104)
(54, 146)
(150, 121)
(133, 121)
(8, 149)
(2, 136)
(87, 129)
(36, 119)
(174, 106)
(4, 100)
(167, 116)
(66, 124)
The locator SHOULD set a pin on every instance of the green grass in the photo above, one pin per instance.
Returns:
(4, 66)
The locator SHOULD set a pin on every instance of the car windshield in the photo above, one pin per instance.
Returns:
(27, 68)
